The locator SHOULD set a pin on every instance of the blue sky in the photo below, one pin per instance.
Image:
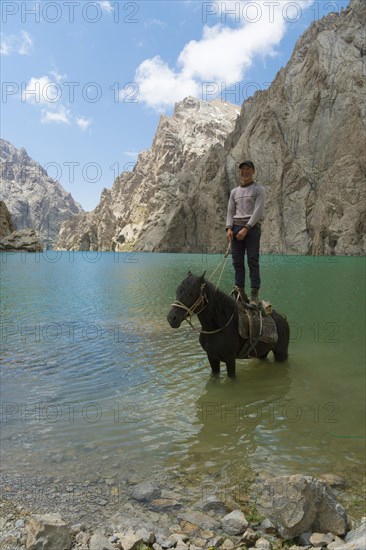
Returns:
(84, 83)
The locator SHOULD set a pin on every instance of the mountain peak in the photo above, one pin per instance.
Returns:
(32, 197)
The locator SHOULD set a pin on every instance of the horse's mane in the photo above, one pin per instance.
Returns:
(224, 304)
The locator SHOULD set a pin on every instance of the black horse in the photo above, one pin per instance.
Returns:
(218, 314)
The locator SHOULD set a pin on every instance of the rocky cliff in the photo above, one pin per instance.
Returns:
(12, 240)
(306, 135)
(33, 199)
(147, 200)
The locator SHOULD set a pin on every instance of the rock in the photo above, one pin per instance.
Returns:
(299, 503)
(32, 197)
(193, 521)
(129, 540)
(227, 545)
(354, 540)
(179, 537)
(263, 544)
(321, 539)
(165, 542)
(234, 523)
(22, 240)
(161, 504)
(6, 223)
(249, 537)
(148, 537)
(19, 524)
(338, 542)
(99, 542)
(333, 480)
(198, 542)
(47, 531)
(82, 538)
(267, 527)
(215, 542)
(213, 504)
(146, 491)
(304, 538)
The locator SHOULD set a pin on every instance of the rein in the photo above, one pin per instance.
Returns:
(201, 300)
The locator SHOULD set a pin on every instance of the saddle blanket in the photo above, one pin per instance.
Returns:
(255, 326)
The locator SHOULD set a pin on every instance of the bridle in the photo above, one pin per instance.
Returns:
(202, 300)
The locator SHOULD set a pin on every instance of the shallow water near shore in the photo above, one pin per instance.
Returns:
(95, 383)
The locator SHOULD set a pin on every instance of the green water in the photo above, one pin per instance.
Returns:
(95, 382)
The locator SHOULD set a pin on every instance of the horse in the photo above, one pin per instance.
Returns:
(219, 316)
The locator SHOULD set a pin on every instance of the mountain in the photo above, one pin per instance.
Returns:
(306, 135)
(33, 198)
(143, 204)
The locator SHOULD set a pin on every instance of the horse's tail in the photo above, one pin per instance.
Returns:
(280, 351)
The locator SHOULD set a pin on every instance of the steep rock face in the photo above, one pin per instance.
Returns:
(145, 201)
(23, 240)
(6, 223)
(306, 135)
(33, 199)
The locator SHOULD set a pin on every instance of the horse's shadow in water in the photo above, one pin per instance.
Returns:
(219, 317)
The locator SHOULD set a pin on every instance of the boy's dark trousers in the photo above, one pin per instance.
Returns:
(250, 246)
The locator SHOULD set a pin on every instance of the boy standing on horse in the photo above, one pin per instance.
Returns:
(243, 228)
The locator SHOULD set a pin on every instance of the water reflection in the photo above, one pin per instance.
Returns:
(230, 416)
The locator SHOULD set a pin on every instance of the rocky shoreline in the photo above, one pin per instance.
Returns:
(293, 512)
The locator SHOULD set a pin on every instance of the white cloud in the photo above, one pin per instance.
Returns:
(5, 46)
(21, 45)
(106, 6)
(159, 86)
(47, 94)
(61, 115)
(223, 54)
(57, 76)
(42, 90)
(83, 123)
(155, 22)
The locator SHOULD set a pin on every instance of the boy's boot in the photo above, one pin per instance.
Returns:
(243, 295)
(254, 300)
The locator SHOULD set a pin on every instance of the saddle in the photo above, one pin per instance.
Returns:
(255, 326)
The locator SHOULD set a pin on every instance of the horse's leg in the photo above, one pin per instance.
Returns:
(215, 365)
(230, 367)
(280, 351)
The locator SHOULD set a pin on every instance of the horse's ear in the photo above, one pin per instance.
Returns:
(203, 276)
(189, 273)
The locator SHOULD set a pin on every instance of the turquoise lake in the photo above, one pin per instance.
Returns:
(94, 379)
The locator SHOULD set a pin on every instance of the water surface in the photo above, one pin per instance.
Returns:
(95, 382)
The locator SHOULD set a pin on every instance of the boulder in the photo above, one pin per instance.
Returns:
(354, 540)
(234, 523)
(48, 532)
(99, 542)
(22, 240)
(298, 503)
(146, 491)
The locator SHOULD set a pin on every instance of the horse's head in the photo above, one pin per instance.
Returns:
(189, 299)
